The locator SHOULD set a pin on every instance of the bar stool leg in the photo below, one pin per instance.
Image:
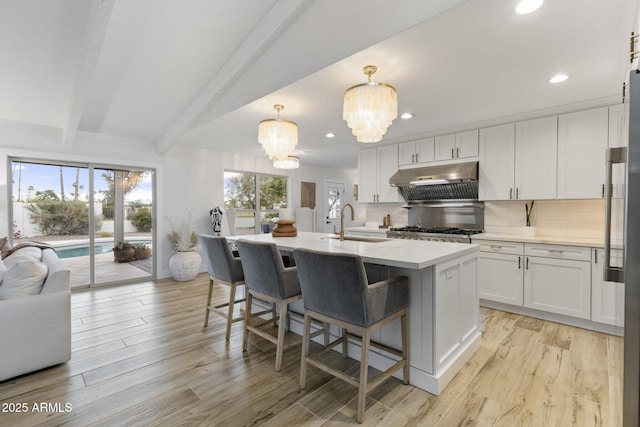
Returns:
(345, 343)
(207, 310)
(232, 300)
(247, 318)
(305, 350)
(405, 347)
(364, 370)
(281, 330)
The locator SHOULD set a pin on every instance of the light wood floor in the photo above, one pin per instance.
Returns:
(140, 357)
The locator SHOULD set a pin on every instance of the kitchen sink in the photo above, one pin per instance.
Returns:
(359, 239)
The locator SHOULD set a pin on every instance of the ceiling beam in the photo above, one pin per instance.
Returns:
(270, 27)
(95, 33)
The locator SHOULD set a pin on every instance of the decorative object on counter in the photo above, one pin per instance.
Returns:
(185, 263)
(355, 192)
(123, 251)
(278, 137)
(529, 230)
(370, 108)
(285, 228)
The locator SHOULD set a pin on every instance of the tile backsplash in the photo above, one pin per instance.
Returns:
(375, 212)
(562, 218)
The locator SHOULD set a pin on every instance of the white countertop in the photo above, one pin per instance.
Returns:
(552, 240)
(381, 231)
(413, 254)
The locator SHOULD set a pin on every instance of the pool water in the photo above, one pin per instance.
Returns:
(83, 250)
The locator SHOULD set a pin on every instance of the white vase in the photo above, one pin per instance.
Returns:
(184, 266)
(529, 231)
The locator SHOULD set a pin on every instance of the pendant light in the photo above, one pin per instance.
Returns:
(369, 108)
(278, 137)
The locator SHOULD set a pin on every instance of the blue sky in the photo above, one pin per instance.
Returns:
(47, 177)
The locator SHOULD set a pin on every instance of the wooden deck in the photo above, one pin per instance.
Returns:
(140, 357)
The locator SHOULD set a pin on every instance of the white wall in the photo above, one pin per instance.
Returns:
(187, 179)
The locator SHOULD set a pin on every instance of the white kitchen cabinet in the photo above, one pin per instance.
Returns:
(457, 146)
(607, 298)
(582, 139)
(535, 159)
(415, 152)
(557, 279)
(501, 272)
(377, 165)
(496, 174)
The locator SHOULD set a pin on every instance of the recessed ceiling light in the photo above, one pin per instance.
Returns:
(406, 116)
(330, 135)
(528, 6)
(558, 78)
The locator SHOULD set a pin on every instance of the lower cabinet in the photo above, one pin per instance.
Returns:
(558, 286)
(565, 280)
(607, 298)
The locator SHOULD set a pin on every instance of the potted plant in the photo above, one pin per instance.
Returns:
(185, 263)
(142, 251)
(529, 230)
(123, 251)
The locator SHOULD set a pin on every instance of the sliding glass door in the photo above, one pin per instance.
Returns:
(87, 213)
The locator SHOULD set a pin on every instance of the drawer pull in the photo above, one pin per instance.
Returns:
(519, 265)
(496, 247)
(555, 251)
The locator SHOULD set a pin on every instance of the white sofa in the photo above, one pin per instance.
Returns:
(35, 330)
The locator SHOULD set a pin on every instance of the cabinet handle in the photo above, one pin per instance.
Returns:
(527, 264)
(519, 266)
(457, 152)
(496, 247)
(511, 193)
(602, 190)
(416, 157)
(555, 251)
(452, 156)
(413, 158)
(595, 256)
(517, 191)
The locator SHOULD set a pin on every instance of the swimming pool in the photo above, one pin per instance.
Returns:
(83, 249)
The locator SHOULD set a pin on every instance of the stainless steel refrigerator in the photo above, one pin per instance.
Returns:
(629, 272)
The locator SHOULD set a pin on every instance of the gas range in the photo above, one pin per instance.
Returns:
(434, 234)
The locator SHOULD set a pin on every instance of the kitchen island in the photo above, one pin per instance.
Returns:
(444, 326)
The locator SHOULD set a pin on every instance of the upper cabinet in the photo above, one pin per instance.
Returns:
(536, 148)
(377, 165)
(497, 163)
(518, 161)
(582, 139)
(415, 152)
(457, 146)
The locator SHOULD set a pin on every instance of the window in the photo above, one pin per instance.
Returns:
(249, 194)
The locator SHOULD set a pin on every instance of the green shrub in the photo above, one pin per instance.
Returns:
(62, 218)
(142, 220)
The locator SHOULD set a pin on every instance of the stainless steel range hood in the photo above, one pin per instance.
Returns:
(458, 181)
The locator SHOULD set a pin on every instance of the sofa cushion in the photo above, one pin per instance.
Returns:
(23, 278)
(26, 253)
(3, 269)
(5, 247)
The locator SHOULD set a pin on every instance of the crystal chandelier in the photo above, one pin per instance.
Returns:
(289, 162)
(369, 108)
(278, 137)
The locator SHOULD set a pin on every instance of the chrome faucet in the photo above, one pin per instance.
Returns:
(341, 233)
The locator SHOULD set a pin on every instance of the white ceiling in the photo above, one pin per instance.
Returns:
(205, 72)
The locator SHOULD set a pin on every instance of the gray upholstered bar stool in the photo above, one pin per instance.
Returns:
(225, 269)
(335, 290)
(267, 279)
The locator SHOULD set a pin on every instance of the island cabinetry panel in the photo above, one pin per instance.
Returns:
(457, 146)
(607, 298)
(456, 309)
(557, 279)
(377, 165)
(582, 139)
(416, 153)
(501, 272)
